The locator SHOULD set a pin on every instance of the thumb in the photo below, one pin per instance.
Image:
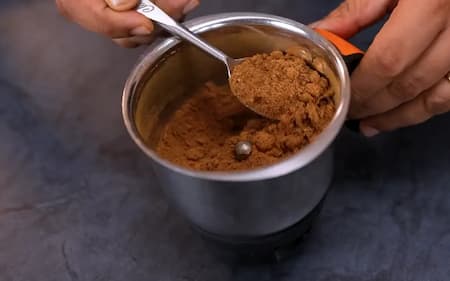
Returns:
(175, 8)
(354, 15)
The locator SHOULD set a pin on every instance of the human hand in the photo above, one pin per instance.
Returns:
(403, 78)
(117, 19)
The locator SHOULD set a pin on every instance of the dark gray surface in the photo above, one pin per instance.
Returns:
(77, 199)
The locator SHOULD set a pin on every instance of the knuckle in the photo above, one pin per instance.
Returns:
(387, 61)
(358, 109)
(407, 87)
(102, 25)
(106, 29)
(357, 96)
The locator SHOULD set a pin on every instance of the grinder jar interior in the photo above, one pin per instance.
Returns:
(177, 68)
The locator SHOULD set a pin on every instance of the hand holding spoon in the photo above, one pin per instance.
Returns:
(153, 12)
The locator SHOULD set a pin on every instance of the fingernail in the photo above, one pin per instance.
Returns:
(191, 5)
(141, 30)
(142, 40)
(315, 24)
(120, 5)
(117, 2)
(368, 131)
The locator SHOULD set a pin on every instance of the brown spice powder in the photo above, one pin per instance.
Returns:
(202, 133)
(272, 84)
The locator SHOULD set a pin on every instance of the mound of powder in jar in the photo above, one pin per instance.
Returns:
(276, 83)
(203, 130)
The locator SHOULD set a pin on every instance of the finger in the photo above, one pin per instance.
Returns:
(177, 8)
(397, 46)
(96, 16)
(133, 42)
(122, 5)
(426, 72)
(430, 103)
(354, 15)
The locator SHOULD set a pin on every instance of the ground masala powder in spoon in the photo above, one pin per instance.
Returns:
(203, 130)
(273, 84)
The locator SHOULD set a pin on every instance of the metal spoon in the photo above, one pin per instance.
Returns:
(151, 11)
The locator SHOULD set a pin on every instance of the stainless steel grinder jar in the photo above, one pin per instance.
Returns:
(244, 204)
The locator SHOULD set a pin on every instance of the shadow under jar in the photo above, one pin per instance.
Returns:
(257, 212)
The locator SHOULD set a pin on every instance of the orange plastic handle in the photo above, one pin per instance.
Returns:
(344, 47)
(351, 55)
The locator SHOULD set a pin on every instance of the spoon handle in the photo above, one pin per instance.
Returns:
(151, 11)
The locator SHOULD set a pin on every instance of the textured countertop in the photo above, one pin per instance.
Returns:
(77, 199)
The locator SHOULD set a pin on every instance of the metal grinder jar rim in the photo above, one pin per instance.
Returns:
(212, 22)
